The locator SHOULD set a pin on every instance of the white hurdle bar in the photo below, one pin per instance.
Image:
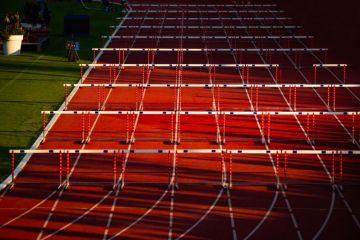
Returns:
(325, 65)
(179, 65)
(213, 49)
(201, 5)
(211, 27)
(221, 85)
(208, 37)
(209, 18)
(233, 113)
(188, 151)
(207, 11)
(328, 65)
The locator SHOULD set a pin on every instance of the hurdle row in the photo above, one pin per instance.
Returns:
(201, 5)
(215, 49)
(210, 18)
(189, 151)
(178, 65)
(209, 37)
(206, 11)
(221, 85)
(207, 26)
(231, 113)
(224, 153)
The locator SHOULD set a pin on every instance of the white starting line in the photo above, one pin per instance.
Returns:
(223, 85)
(208, 37)
(207, 26)
(189, 151)
(213, 49)
(235, 113)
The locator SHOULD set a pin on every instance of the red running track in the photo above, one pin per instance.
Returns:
(200, 209)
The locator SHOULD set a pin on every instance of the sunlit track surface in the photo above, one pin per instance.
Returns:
(212, 96)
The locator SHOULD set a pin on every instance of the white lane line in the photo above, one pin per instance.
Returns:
(47, 221)
(348, 207)
(275, 198)
(203, 216)
(177, 122)
(73, 169)
(28, 211)
(115, 199)
(353, 94)
(346, 130)
(210, 207)
(332, 204)
(231, 212)
(276, 173)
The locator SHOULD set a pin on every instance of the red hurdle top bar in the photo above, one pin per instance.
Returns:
(189, 151)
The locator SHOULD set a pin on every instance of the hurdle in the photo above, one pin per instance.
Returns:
(207, 11)
(212, 18)
(231, 152)
(245, 37)
(234, 113)
(214, 49)
(223, 85)
(201, 5)
(326, 66)
(192, 65)
(208, 27)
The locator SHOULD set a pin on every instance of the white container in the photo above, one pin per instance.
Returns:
(13, 45)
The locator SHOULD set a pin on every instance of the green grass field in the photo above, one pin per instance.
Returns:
(33, 81)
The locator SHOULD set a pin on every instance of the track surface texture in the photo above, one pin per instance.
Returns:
(187, 195)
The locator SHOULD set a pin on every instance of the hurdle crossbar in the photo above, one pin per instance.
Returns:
(201, 5)
(213, 49)
(207, 11)
(208, 37)
(211, 27)
(189, 151)
(234, 113)
(209, 18)
(222, 85)
(178, 65)
(329, 65)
